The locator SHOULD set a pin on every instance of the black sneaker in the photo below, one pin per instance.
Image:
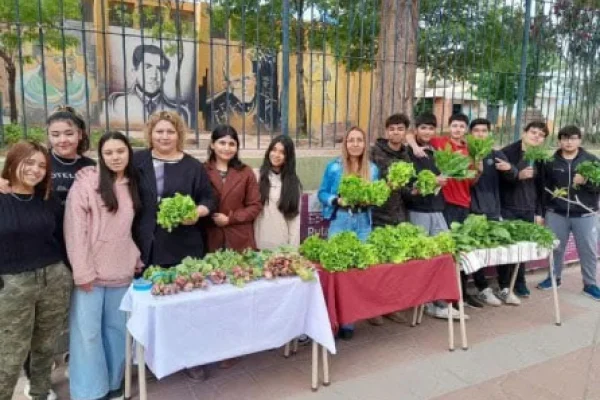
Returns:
(346, 334)
(472, 301)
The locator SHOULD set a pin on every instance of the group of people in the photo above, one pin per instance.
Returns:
(75, 232)
(505, 187)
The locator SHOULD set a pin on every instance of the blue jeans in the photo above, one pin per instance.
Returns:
(97, 342)
(359, 223)
(585, 232)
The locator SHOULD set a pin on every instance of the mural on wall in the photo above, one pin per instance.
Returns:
(142, 79)
(244, 90)
(318, 80)
(47, 79)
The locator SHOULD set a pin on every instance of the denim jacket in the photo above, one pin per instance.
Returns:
(331, 181)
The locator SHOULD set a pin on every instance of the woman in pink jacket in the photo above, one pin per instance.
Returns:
(100, 209)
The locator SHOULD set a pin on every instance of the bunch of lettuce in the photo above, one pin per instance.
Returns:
(453, 164)
(535, 154)
(426, 183)
(399, 174)
(344, 251)
(172, 211)
(590, 170)
(355, 191)
(479, 148)
(312, 248)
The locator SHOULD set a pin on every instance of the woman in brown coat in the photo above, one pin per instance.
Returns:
(236, 191)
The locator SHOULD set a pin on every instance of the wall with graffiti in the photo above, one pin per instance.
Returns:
(68, 76)
(239, 87)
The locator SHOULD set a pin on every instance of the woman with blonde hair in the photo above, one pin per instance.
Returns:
(163, 170)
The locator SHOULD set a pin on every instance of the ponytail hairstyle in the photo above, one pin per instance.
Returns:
(69, 115)
(107, 177)
(291, 187)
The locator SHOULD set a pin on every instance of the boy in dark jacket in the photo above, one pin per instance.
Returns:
(485, 200)
(384, 153)
(427, 211)
(564, 217)
(521, 198)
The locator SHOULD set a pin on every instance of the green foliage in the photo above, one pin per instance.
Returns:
(355, 191)
(399, 174)
(535, 154)
(312, 247)
(479, 148)
(426, 183)
(453, 164)
(590, 170)
(14, 132)
(172, 211)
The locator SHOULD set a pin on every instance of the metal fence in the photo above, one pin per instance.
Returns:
(307, 68)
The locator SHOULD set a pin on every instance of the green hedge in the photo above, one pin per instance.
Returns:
(14, 132)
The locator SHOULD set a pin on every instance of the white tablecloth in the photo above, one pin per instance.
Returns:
(204, 326)
(517, 253)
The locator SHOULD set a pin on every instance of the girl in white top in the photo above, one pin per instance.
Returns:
(280, 190)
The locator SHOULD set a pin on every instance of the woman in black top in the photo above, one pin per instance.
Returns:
(35, 283)
(165, 169)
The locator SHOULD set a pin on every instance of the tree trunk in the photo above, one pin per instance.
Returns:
(11, 70)
(301, 120)
(507, 124)
(395, 76)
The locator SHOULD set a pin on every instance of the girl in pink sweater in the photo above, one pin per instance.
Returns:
(100, 209)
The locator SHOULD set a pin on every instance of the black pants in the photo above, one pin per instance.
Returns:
(454, 213)
(505, 271)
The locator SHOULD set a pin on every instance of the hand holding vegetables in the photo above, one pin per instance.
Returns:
(453, 164)
(399, 174)
(590, 171)
(502, 165)
(526, 173)
(479, 148)
(428, 183)
(578, 180)
(355, 191)
(173, 211)
(535, 154)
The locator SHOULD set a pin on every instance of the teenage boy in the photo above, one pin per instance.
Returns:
(485, 200)
(563, 217)
(385, 152)
(427, 211)
(522, 197)
(457, 193)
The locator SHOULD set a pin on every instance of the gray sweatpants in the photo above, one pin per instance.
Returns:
(433, 222)
(585, 232)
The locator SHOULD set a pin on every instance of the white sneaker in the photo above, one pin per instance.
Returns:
(508, 297)
(487, 296)
(442, 312)
(51, 394)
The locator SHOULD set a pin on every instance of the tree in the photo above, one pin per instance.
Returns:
(24, 22)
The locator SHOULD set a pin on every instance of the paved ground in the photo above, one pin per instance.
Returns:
(515, 353)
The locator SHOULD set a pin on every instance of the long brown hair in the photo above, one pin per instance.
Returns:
(13, 167)
(364, 170)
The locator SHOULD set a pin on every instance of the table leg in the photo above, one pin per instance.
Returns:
(415, 316)
(326, 380)
(554, 290)
(513, 278)
(141, 371)
(450, 328)
(315, 367)
(461, 311)
(295, 346)
(286, 350)
(421, 312)
(128, 364)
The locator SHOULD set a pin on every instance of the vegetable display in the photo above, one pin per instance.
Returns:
(535, 154)
(479, 148)
(590, 170)
(227, 266)
(172, 211)
(355, 191)
(453, 164)
(399, 174)
(426, 183)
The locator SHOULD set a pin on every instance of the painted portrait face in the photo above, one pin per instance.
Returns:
(149, 74)
(56, 70)
(240, 78)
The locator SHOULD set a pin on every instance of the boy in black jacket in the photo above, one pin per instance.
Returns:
(427, 211)
(521, 197)
(485, 200)
(563, 217)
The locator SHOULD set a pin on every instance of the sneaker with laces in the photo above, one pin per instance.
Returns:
(546, 284)
(592, 291)
(442, 312)
(521, 290)
(472, 301)
(507, 297)
(51, 393)
(488, 297)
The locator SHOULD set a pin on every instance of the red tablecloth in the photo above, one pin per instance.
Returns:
(360, 294)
